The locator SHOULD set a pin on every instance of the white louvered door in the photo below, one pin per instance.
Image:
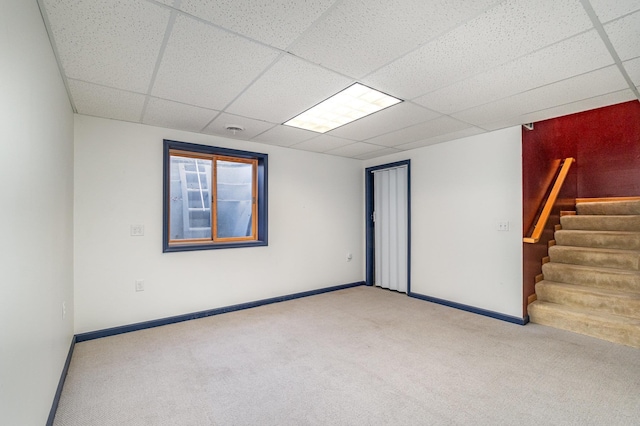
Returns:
(391, 228)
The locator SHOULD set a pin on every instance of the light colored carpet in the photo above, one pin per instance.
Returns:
(361, 356)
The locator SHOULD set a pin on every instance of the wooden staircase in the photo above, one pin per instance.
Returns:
(591, 283)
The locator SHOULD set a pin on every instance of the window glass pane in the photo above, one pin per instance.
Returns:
(234, 193)
(190, 199)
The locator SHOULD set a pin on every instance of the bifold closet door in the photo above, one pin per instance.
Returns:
(391, 228)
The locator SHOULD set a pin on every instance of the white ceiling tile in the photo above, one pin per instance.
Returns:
(356, 38)
(583, 105)
(585, 86)
(624, 34)
(354, 150)
(111, 43)
(608, 9)
(251, 127)
(288, 88)
(577, 55)
(322, 143)
(100, 101)
(284, 136)
(273, 22)
(375, 154)
(566, 109)
(508, 31)
(388, 120)
(208, 67)
(174, 115)
(633, 69)
(470, 131)
(421, 131)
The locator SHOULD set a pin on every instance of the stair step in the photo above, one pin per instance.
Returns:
(601, 222)
(609, 327)
(614, 279)
(599, 239)
(587, 256)
(598, 299)
(609, 208)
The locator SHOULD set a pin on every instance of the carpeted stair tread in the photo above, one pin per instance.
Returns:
(601, 222)
(591, 283)
(614, 279)
(587, 256)
(598, 299)
(609, 208)
(624, 240)
(613, 328)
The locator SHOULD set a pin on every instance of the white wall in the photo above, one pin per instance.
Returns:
(36, 213)
(315, 218)
(460, 190)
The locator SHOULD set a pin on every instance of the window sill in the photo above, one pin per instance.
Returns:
(214, 246)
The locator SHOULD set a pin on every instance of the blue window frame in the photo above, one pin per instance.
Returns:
(213, 197)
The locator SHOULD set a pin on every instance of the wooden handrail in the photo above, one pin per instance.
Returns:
(551, 200)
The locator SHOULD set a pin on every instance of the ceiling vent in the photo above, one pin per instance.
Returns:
(235, 128)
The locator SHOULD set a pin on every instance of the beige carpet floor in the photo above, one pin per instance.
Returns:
(361, 356)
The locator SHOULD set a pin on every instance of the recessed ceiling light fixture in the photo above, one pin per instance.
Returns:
(354, 102)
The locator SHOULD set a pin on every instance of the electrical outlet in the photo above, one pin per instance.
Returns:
(139, 285)
(137, 230)
(503, 226)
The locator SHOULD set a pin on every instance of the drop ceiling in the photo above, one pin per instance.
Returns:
(462, 67)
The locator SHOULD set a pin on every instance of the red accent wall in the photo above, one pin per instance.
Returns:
(606, 145)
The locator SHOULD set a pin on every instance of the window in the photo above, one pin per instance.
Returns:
(213, 197)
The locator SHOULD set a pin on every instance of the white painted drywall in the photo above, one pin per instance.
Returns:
(315, 218)
(460, 190)
(36, 213)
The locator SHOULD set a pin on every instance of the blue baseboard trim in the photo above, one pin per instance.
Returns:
(472, 309)
(63, 377)
(82, 337)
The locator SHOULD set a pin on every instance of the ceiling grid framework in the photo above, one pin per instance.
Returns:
(165, 39)
(462, 67)
(607, 41)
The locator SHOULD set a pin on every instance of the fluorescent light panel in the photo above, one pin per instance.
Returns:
(354, 102)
